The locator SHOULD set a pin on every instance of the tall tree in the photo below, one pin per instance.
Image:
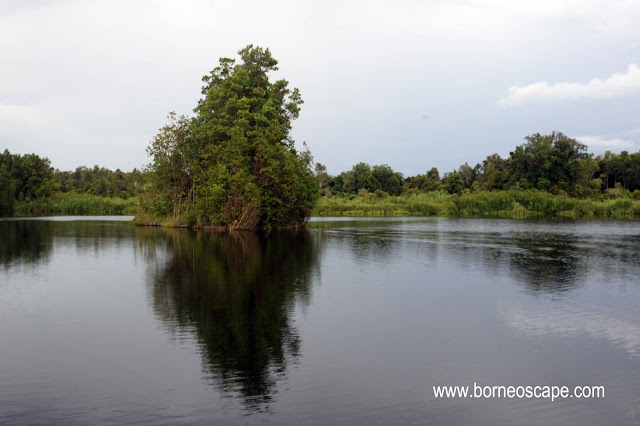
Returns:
(454, 183)
(236, 161)
(24, 177)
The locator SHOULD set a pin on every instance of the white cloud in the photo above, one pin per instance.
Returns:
(620, 331)
(618, 85)
(91, 82)
(603, 142)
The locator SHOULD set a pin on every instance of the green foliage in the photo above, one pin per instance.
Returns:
(23, 178)
(48, 187)
(553, 162)
(323, 180)
(467, 175)
(389, 181)
(171, 150)
(100, 181)
(425, 183)
(454, 183)
(76, 204)
(29, 185)
(512, 203)
(543, 184)
(553, 158)
(235, 165)
(364, 177)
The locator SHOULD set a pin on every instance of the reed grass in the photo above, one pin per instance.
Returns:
(511, 203)
(76, 204)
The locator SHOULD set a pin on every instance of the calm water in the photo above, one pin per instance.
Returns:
(350, 322)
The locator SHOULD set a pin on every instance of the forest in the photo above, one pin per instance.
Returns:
(554, 163)
(29, 185)
(547, 175)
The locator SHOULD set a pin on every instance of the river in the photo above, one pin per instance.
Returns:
(353, 321)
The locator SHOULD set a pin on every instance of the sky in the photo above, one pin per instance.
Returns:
(411, 84)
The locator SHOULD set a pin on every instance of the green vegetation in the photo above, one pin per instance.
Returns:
(24, 177)
(76, 204)
(29, 185)
(547, 176)
(101, 182)
(553, 163)
(508, 203)
(233, 165)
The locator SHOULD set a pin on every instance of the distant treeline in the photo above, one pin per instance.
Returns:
(552, 163)
(27, 180)
(101, 181)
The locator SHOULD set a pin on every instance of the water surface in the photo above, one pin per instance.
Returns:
(352, 321)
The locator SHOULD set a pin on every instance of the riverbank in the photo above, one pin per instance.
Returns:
(76, 204)
(143, 219)
(513, 204)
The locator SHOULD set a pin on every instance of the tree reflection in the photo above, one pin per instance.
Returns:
(545, 258)
(548, 263)
(235, 293)
(25, 242)
(359, 236)
(28, 242)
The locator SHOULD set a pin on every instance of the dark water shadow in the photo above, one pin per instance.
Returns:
(30, 243)
(25, 243)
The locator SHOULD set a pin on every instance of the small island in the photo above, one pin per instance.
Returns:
(233, 165)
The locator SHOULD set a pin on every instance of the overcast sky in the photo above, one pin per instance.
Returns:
(413, 84)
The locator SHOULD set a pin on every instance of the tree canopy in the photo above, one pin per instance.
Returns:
(553, 162)
(24, 177)
(235, 164)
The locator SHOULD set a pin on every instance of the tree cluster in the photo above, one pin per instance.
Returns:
(101, 181)
(24, 177)
(558, 164)
(30, 177)
(234, 164)
(553, 163)
(361, 178)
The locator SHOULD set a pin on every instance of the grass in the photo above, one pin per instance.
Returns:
(76, 204)
(145, 219)
(487, 203)
(516, 204)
